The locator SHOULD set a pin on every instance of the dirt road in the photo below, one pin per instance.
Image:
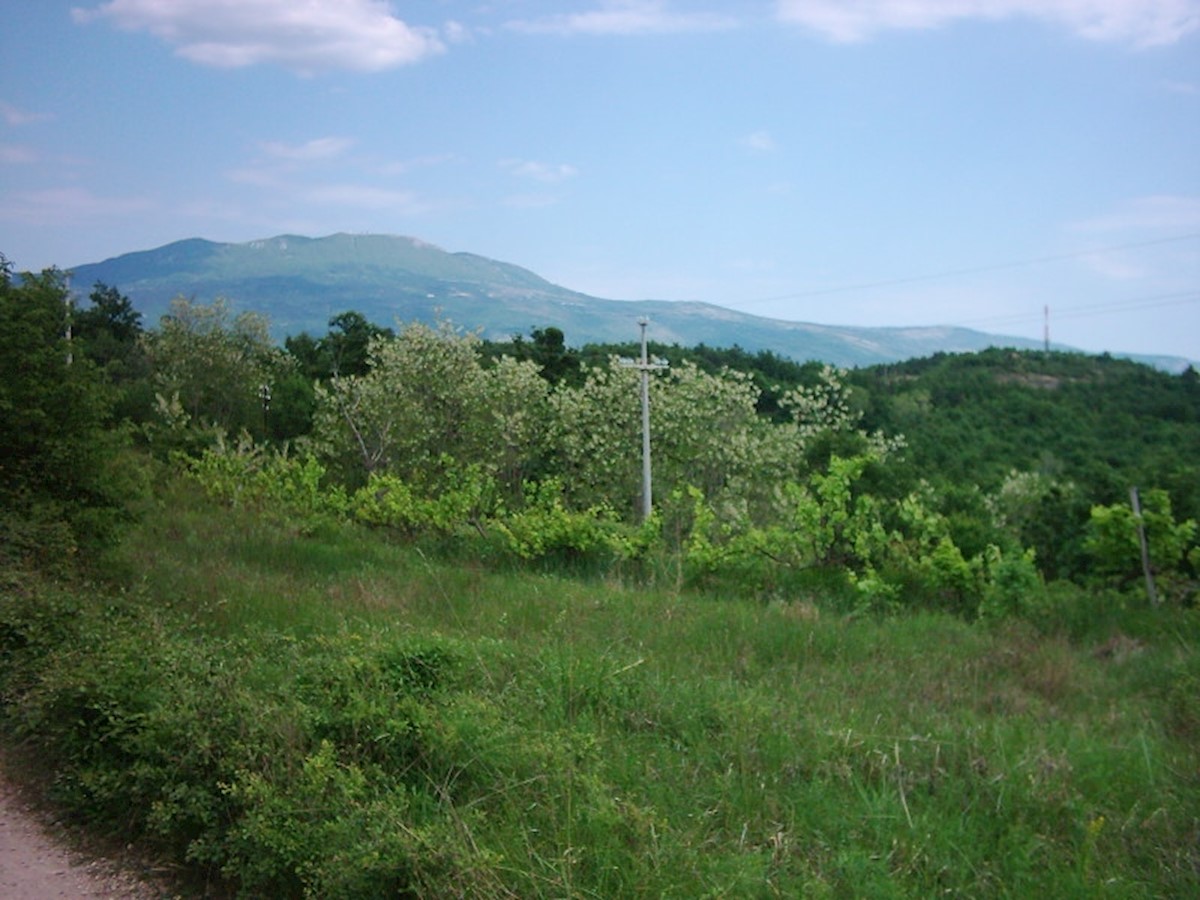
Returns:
(38, 863)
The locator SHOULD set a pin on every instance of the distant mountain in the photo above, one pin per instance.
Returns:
(300, 282)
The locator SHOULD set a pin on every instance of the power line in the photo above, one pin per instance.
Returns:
(1091, 309)
(974, 270)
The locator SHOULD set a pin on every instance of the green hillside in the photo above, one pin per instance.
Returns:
(1106, 422)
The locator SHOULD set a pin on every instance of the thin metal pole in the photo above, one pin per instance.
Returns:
(1136, 503)
(646, 479)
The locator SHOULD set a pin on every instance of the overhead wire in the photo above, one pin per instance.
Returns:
(1090, 309)
(972, 270)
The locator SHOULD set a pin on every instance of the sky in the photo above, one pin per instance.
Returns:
(843, 162)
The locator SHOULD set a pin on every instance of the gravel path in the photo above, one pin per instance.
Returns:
(37, 861)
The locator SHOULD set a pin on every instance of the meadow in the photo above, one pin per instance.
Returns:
(372, 615)
(330, 711)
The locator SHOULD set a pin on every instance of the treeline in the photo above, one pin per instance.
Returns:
(966, 482)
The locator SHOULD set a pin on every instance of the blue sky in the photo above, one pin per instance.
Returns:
(867, 162)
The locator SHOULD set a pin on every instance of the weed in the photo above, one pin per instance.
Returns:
(330, 714)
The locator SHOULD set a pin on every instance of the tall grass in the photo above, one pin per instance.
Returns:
(331, 714)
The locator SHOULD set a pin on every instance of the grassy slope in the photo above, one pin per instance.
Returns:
(332, 713)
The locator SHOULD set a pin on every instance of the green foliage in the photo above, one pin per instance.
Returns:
(1015, 588)
(109, 333)
(705, 432)
(345, 350)
(293, 486)
(434, 436)
(61, 473)
(446, 731)
(256, 757)
(211, 373)
(427, 395)
(1113, 544)
(460, 496)
(543, 526)
(547, 348)
(1087, 427)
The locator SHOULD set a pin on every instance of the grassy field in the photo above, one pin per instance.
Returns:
(328, 713)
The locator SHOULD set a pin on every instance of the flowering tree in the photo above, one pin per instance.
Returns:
(210, 366)
(426, 402)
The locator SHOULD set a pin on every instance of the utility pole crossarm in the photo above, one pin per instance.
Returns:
(645, 366)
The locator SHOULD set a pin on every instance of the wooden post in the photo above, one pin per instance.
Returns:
(1136, 502)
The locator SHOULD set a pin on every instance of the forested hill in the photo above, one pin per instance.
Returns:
(1102, 422)
(300, 282)
(1046, 436)
(1109, 423)
(1098, 423)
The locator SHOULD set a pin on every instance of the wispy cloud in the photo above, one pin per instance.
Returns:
(1143, 23)
(305, 37)
(279, 161)
(303, 173)
(365, 196)
(310, 151)
(547, 173)
(1189, 88)
(531, 201)
(68, 205)
(759, 142)
(406, 166)
(1157, 212)
(626, 17)
(1114, 266)
(15, 154)
(13, 115)
(1168, 225)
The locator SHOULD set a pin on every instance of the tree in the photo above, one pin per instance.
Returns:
(344, 351)
(213, 368)
(426, 398)
(550, 351)
(705, 433)
(110, 328)
(1112, 538)
(54, 473)
(349, 340)
(109, 332)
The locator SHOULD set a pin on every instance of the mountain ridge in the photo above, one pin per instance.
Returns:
(300, 282)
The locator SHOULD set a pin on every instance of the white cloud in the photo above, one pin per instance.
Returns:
(296, 173)
(306, 37)
(280, 161)
(70, 205)
(626, 17)
(456, 32)
(1157, 212)
(1143, 23)
(310, 151)
(1168, 224)
(405, 166)
(13, 115)
(361, 196)
(257, 176)
(539, 171)
(1114, 267)
(760, 142)
(531, 201)
(16, 153)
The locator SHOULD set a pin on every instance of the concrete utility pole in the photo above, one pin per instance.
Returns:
(70, 321)
(1136, 502)
(645, 365)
